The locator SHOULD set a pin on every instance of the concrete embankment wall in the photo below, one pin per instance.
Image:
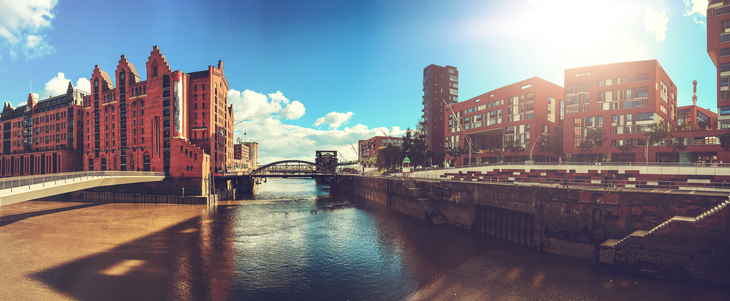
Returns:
(565, 221)
(110, 197)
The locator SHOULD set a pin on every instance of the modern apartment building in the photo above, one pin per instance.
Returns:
(623, 100)
(42, 137)
(440, 87)
(166, 121)
(518, 114)
(718, 47)
(369, 148)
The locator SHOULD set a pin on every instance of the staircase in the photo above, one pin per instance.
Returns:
(428, 203)
(675, 219)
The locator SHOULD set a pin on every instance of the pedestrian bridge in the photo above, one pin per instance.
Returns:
(20, 189)
(292, 168)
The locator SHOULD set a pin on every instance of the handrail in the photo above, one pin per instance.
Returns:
(23, 181)
(627, 164)
(583, 183)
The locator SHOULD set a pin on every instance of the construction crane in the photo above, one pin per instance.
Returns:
(386, 137)
(238, 140)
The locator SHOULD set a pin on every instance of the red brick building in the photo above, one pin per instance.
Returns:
(518, 112)
(440, 86)
(240, 157)
(697, 118)
(164, 120)
(718, 47)
(44, 136)
(623, 100)
(369, 148)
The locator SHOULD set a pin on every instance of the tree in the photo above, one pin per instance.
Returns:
(513, 146)
(725, 140)
(684, 127)
(628, 147)
(657, 133)
(388, 157)
(594, 139)
(675, 145)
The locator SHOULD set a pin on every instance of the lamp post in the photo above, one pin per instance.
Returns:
(533, 147)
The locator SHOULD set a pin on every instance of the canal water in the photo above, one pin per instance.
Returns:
(290, 241)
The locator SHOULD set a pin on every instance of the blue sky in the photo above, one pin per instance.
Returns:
(323, 74)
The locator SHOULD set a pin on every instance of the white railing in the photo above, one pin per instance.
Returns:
(581, 183)
(27, 181)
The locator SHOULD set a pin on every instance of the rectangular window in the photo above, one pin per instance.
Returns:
(644, 116)
(642, 77)
(599, 121)
(725, 52)
(724, 111)
(576, 134)
(723, 67)
(641, 92)
(600, 83)
(724, 81)
(600, 96)
(578, 122)
(587, 98)
(570, 89)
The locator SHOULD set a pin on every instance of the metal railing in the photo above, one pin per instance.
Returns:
(27, 181)
(581, 183)
(568, 164)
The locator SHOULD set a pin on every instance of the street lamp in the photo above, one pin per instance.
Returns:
(533, 146)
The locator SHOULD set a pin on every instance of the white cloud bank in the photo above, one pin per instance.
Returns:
(334, 119)
(58, 85)
(280, 141)
(656, 23)
(697, 9)
(21, 25)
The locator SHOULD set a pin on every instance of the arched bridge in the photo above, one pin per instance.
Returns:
(292, 168)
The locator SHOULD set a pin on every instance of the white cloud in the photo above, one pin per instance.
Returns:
(697, 9)
(83, 84)
(334, 119)
(656, 23)
(279, 141)
(20, 23)
(32, 41)
(249, 104)
(58, 85)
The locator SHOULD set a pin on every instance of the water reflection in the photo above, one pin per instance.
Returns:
(291, 241)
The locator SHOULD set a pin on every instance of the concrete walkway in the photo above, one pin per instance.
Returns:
(36, 191)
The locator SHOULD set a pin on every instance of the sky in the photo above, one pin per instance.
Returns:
(321, 75)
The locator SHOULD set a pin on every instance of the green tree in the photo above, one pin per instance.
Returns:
(513, 146)
(675, 145)
(684, 127)
(594, 139)
(657, 132)
(388, 157)
(725, 140)
(628, 147)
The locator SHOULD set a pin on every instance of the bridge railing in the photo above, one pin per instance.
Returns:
(583, 183)
(27, 181)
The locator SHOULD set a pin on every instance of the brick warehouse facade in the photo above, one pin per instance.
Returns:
(173, 122)
(42, 137)
(440, 84)
(622, 99)
(518, 112)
